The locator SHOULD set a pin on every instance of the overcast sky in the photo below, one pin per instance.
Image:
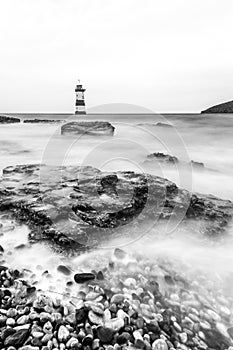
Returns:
(165, 55)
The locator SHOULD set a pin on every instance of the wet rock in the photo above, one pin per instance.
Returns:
(87, 128)
(59, 221)
(119, 253)
(8, 120)
(42, 121)
(105, 334)
(17, 339)
(123, 338)
(81, 314)
(64, 269)
(84, 277)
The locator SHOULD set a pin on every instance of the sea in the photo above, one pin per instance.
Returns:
(202, 138)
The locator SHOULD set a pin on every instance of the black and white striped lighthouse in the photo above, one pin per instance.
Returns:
(80, 100)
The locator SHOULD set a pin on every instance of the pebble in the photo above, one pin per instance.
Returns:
(159, 344)
(84, 277)
(10, 322)
(63, 333)
(105, 334)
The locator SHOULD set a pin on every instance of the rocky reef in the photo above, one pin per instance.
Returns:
(88, 128)
(42, 121)
(8, 120)
(77, 206)
(226, 107)
(172, 160)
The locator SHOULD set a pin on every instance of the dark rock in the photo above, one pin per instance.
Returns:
(226, 107)
(1, 249)
(123, 338)
(197, 165)
(21, 246)
(43, 121)
(88, 128)
(84, 277)
(17, 339)
(64, 269)
(120, 253)
(8, 120)
(87, 340)
(81, 314)
(100, 276)
(6, 332)
(105, 334)
(217, 340)
(161, 157)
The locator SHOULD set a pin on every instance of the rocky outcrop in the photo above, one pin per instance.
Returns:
(76, 207)
(164, 158)
(226, 107)
(161, 158)
(8, 120)
(87, 127)
(43, 121)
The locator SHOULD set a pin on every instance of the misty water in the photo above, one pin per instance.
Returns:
(201, 138)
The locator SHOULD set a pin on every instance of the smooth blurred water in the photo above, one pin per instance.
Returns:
(202, 138)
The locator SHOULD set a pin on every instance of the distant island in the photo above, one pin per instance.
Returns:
(226, 107)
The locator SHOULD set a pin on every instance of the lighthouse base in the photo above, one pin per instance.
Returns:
(80, 112)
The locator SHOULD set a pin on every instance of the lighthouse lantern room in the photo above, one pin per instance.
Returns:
(80, 100)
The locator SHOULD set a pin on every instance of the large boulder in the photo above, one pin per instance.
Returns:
(8, 120)
(226, 107)
(75, 207)
(87, 127)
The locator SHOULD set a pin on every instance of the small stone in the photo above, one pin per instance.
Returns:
(48, 328)
(95, 344)
(117, 298)
(44, 317)
(64, 269)
(81, 314)
(12, 313)
(10, 322)
(105, 334)
(87, 340)
(17, 339)
(115, 323)
(63, 333)
(123, 338)
(159, 344)
(120, 253)
(37, 335)
(46, 338)
(72, 342)
(95, 319)
(84, 277)
(22, 320)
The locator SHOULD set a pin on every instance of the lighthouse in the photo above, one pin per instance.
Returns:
(80, 100)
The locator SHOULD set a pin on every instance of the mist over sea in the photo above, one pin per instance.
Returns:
(201, 138)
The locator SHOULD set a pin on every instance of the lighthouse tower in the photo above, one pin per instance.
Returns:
(80, 101)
